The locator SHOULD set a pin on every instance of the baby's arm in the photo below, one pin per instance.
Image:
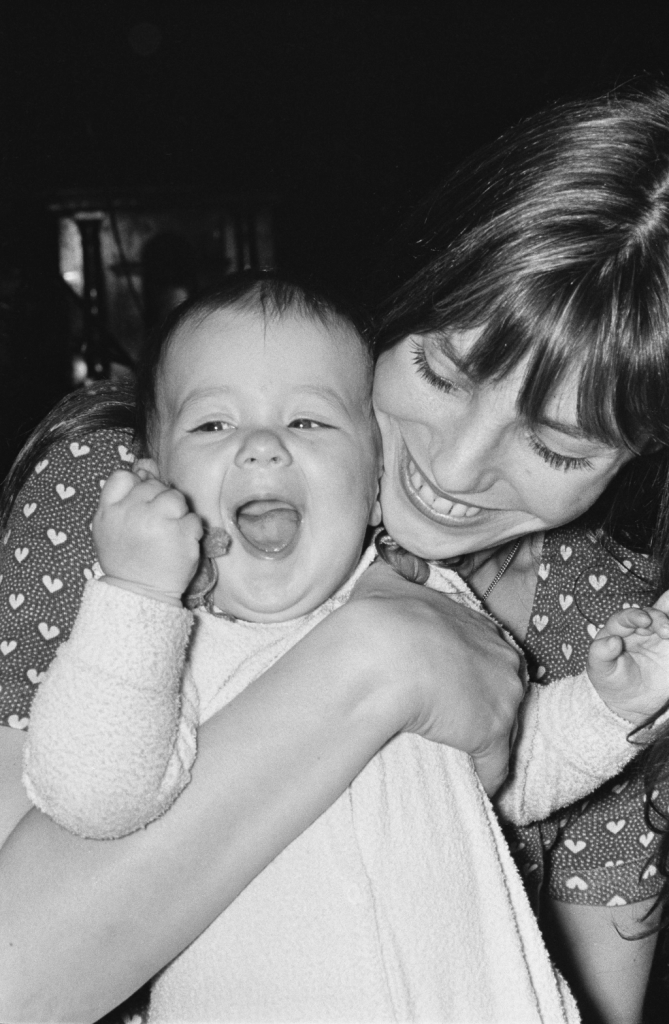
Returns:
(573, 734)
(112, 737)
(568, 743)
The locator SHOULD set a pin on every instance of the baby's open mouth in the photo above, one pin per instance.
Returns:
(268, 525)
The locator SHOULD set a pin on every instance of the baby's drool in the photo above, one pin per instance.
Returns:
(269, 526)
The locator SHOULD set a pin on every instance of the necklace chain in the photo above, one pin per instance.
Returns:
(507, 562)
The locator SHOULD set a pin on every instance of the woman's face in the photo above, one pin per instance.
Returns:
(463, 471)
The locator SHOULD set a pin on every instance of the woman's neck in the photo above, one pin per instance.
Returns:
(512, 596)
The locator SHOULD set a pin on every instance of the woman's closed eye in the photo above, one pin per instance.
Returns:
(429, 373)
(554, 459)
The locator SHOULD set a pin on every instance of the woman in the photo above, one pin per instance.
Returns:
(521, 371)
(555, 272)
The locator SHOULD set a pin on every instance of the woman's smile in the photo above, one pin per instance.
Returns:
(427, 499)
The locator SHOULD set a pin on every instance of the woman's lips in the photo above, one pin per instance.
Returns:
(436, 506)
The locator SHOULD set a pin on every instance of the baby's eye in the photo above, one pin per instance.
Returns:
(212, 427)
(304, 423)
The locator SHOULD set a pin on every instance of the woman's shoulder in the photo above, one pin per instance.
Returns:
(598, 568)
(90, 456)
(583, 577)
(46, 556)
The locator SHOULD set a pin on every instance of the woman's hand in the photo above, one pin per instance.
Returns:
(457, 679)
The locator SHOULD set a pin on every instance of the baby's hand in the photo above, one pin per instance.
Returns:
(147, 540)
(628, 662)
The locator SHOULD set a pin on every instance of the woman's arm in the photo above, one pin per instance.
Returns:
(14, 802)
(84, 923)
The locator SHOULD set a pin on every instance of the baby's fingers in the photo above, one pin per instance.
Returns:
(662, 603)
(659, 623)
(171, 503)
(192, 526)
(624, 622)
(605, 649)
(117, 487)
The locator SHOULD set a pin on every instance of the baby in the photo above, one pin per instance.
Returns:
(263, 481)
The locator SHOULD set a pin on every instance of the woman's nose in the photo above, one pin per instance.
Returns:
(468, 460)
(262, 449)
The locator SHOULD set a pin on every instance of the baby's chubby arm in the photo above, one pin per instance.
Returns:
(574, 732)
(146, 537)
(113, 727)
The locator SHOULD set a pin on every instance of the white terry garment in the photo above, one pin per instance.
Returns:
(401, 902)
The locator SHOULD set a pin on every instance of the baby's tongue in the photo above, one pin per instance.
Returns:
(268, 525)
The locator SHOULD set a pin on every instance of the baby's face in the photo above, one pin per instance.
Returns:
(267, 428)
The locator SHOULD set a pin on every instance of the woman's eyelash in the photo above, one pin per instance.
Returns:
(555, 460)
(426, 371)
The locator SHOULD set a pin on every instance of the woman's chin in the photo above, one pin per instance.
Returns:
(419, 534)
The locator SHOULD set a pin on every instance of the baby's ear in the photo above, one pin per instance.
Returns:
(375, 514)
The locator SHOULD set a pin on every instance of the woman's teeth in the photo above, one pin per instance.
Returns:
(436, 502)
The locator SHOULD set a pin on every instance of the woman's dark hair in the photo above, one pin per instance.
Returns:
(250, 291)
(555, 242)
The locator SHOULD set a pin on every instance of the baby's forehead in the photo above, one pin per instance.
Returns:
(247, 350)
(331, 340)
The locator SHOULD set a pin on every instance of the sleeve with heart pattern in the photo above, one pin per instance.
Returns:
(46, 556)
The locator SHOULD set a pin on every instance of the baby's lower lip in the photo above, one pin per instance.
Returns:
(435, 506)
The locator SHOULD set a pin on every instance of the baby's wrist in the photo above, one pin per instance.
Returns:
(143, 590)
(612, 700)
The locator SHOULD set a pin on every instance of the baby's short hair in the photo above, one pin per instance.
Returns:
(256, 292)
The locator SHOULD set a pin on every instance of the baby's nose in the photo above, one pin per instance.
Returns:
(262, 448)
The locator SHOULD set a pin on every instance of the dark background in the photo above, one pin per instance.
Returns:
(346, 112)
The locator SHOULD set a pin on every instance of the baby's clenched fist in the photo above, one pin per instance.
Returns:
(146, 537)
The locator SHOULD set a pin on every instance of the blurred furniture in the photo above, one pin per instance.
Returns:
(128, 258)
